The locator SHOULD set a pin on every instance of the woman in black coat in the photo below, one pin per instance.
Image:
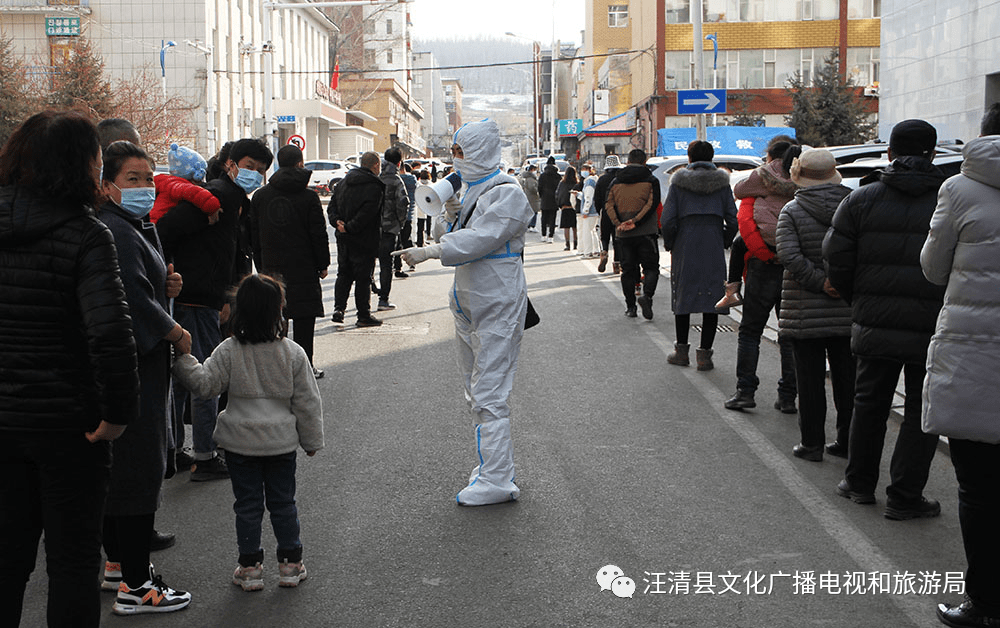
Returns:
(68, 381)
(566, 200)
(140, 456)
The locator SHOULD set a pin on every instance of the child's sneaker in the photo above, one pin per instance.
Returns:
(249, 578)
(152, 597)
(291, 574)
(112, 576)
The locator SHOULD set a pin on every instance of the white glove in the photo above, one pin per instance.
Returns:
(452, 207)
(419, 254)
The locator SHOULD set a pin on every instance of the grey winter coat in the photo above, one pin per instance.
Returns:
(529, 183)
(806, 311)
(395, 201)
(698, 224)
(962, 251)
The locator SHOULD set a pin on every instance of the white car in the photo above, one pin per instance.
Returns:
(325, 173)
(854, 172)
(663, 167)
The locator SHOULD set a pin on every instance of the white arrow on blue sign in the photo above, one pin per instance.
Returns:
(694, 101)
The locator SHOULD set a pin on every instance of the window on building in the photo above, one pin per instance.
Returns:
(369, 27)
(388, 57)
(805, 9)
(806, 65)
(388, 27)
(617, 15)
(369, 58)
(863, 66)
(863, 9)
(678, 11)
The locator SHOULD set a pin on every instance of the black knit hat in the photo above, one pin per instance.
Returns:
(914, 138)
(550, 161)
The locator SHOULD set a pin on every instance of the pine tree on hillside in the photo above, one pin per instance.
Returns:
(829, 112)
(79, 83)
(16, 92)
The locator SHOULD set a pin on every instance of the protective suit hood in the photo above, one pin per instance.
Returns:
(480, 143)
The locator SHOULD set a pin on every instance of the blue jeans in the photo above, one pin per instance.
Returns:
(260, 480)
(54, 482)
(203, 325)
(761, 293)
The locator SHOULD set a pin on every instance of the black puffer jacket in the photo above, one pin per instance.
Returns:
(872, 254)
(289, 238)
(806, 311)
(67, 355)
(548, 183)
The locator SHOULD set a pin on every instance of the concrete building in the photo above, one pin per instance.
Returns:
(428, 90)
(452, 105)
(216, 62)
(940, 64)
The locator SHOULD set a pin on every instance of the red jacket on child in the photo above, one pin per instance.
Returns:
(171, 190)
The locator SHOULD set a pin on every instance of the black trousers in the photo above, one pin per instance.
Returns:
(355, 265)
(709, 326)
(548, 222)
(303, 331)
(914, 451)
(53, 482)
(405, 241)
(810, 377)
(423, 226)
(977, 467)
(608, 234)
(387, 244)
(636, 251)
(126, 541)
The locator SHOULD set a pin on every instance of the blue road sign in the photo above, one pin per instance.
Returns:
(694, 101)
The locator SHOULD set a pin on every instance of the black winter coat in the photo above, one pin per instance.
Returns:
(601, 189)
(357, 200)
(67, 355)
(290, 240)
(872, 255)
(548, 183)
(206, 255)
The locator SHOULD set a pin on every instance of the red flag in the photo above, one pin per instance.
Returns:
(335, 77)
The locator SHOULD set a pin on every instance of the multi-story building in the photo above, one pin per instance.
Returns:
(607, 85)
(762, 43)
(213, 54)
(428, 90)
(452, 104)
(940, 64)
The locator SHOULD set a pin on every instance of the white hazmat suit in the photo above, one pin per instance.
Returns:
(488, 300)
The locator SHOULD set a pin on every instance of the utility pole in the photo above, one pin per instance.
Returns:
(699, 60)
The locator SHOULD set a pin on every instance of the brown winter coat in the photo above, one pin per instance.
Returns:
(632, 197)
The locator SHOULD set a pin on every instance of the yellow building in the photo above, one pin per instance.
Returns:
(762, 43)
(607, 85)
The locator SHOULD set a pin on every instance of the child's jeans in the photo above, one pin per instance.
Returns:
(258, 480)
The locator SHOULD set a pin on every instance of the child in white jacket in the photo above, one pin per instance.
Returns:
(274, 407)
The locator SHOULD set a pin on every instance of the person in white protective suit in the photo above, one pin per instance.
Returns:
(483, 239)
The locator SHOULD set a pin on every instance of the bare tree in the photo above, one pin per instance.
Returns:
(160, 122)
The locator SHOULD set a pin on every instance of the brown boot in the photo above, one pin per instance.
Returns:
(603, 265)
(680, 355)
(732, 297)
(704, 359)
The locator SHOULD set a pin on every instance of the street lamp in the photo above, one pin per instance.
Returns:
(163, 65)
(209, 92)
(714, 38)
(536, 51)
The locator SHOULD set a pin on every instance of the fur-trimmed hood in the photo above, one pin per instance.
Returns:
(701, 177)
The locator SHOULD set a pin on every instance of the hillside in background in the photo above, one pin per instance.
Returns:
(514, 79)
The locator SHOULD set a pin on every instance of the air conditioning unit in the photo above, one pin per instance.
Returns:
(871, 91)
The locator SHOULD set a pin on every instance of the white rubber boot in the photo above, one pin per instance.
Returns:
(493, 481)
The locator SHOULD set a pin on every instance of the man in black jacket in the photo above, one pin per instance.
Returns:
(611, 167)
(395, 205)
(206, 255)
(355, 210)
(548, 183)
(872, 253)
(290, 241)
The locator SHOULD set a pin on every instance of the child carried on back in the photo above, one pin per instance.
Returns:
(274, 407)
(187, 169)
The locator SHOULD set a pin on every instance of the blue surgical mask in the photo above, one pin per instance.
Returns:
(249, 180)
(137, 202)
